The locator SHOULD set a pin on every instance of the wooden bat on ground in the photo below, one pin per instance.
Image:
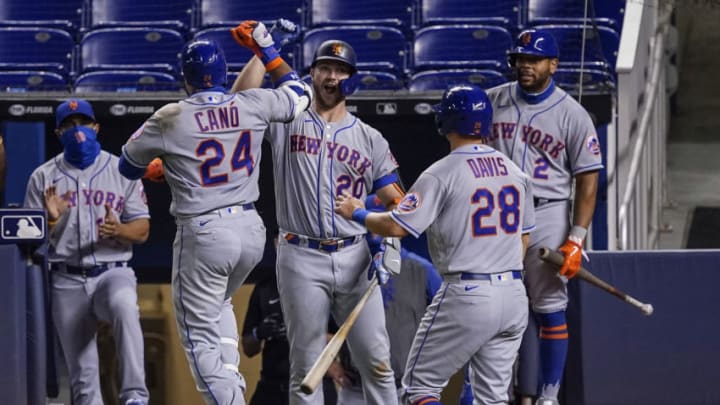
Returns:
(557, 259)
(318, 370)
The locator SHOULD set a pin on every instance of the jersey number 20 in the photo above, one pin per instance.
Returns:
(508, 200)
(241, 159)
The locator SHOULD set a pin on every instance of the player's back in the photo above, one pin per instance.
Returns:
(210, 144)
(483, 217)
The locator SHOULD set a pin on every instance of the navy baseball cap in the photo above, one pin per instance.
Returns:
(72, 107)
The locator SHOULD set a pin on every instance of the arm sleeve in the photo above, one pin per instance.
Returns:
(384, 163)
(253, 316)
(272, 105)
(148, 141)
(583, 144)
(421, 205)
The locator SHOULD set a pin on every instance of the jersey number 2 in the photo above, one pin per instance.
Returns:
(508, 201)
(241, 159)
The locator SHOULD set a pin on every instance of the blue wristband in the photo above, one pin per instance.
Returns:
(359, 215)
(269, 54)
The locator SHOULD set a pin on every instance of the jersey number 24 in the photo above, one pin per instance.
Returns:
(508, 208)
(241, 159)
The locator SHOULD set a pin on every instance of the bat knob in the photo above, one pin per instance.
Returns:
(647, 309)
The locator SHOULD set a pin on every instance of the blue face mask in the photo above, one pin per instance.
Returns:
(81, 146)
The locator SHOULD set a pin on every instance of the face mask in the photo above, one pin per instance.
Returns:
(81, 146)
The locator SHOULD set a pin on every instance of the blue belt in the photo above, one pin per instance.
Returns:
(507, 275)
(326, 245)
(92, 271)
(542, 201)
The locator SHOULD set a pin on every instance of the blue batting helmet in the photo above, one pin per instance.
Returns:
(336, 50)
(465, 109)
(534, 42)
(203, 64)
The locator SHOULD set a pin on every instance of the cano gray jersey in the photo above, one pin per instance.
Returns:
(314, 161)
(551, 141)
(75, 239)
(474, 203)
(210, 144)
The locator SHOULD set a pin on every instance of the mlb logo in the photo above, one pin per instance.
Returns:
(22, 226)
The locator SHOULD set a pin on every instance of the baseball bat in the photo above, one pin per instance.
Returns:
(317, 371)
(557, 259)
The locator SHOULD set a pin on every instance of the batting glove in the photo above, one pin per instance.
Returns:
(255, 36)
(155, 171)
(377, 250)
(572, 249)
(284, 32)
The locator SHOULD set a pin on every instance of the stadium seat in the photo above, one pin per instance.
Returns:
(173, 14)
(431, 80)
(121, 81)
(231, 13)
(33, 48)
(601, 45)
(593, 80)
(500, 12)
(378, 48)
(61, 14)
(236, 55)
(28, 81)
(461, 46)
(131, 49)
(609, 13)
(396, 13)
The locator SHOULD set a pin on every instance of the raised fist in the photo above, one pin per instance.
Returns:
(252, 35)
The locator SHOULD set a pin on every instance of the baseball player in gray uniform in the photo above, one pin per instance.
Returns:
(323, 260)
(405, 297)
(476, 207)
(550, 137)
(94, 217)
(210, 145)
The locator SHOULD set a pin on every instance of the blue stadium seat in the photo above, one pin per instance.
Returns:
(236, 55)
(28, 81)
(601, 45)
(173, 14)
(501, 12)
(378, 48)
(461, 46)
(33, 48)
(61, 14)
(222, 12)
(131, 49)
(397, 13)
(593, 80)
(125, 81)
(609, 13)
(431, 80)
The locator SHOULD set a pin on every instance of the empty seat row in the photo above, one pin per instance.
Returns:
(193, 15)
(378, 48)
(132, 81)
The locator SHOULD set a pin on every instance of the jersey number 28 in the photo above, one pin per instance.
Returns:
(508, 201)
(241, 159)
